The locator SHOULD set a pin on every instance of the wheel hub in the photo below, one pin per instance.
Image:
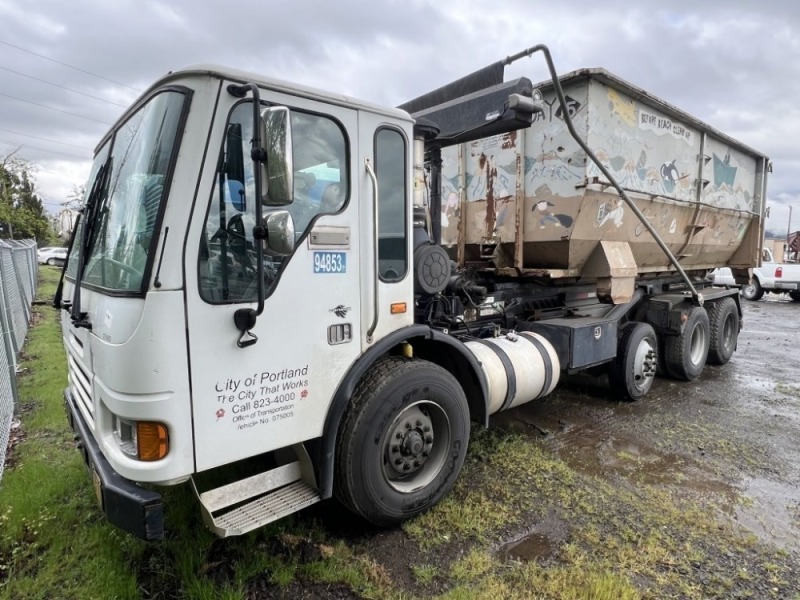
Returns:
(411, 442)
(646, 363)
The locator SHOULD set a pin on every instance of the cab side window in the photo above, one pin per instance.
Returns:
(227, 265)
(390, 167)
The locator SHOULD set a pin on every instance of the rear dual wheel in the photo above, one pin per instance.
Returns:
(402, 441)
(685, 354)
(723, 317)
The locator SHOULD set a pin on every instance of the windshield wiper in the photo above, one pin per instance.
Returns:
(89, 213)
(66, 304)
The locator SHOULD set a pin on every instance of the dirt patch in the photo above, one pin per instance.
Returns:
(16, 436)
(260, 588)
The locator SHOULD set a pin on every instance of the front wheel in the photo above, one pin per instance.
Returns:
(685, 354)
(402, 442)
(50, 262)
(723, 317)
(631, 373)
(753, 290)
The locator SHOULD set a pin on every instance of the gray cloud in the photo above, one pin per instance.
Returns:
(730, 63)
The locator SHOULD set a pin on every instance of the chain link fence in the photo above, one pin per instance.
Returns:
(18, 277)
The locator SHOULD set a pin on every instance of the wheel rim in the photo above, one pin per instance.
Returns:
(749, 290)
(645, 364)
(415, 446)
(698, 345)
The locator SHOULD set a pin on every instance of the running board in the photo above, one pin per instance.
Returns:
(244, 505)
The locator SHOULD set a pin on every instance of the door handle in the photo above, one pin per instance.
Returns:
(374, 179)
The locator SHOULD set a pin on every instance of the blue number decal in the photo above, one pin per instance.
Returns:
(330, 262)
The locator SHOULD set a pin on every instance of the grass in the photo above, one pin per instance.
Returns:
(619, 537)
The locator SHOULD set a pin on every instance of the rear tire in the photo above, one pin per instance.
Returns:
(685, 354)
(753, 290)
(50, 262)
(723, 317)
(402, 441)
(631, 373)
(795, 295)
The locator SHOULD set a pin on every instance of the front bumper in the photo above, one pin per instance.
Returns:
(125, 504)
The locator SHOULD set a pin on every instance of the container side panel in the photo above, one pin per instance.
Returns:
(731, 177)
(643, 149)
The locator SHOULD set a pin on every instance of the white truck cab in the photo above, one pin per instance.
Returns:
(164, 380)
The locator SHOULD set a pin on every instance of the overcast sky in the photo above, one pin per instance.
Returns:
(732, 63)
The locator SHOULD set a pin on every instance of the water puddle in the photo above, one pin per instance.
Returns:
(535, 546)
(773, 513)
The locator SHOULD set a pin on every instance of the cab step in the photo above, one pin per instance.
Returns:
(241, 506)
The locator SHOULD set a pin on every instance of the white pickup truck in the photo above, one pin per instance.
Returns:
(770, 277)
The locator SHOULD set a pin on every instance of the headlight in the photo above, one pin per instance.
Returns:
(142, 440)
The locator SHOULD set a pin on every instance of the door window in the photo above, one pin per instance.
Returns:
(390, 167)
(227, 265)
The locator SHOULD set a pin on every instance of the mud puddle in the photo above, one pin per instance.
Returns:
(539, 543)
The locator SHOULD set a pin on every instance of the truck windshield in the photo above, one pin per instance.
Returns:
(122, 209)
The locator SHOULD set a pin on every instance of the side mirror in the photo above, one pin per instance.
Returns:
(280, 233)
(277, 174)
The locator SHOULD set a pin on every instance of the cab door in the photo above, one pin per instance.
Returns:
(387, 293)
(250, 399)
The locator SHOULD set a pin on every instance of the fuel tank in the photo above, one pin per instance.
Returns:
(519, 367)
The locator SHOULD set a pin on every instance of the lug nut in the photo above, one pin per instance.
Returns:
(426, 429)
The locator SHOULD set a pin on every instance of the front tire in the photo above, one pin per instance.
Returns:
(685, 354)
(632, 372)
(402, 441)
(753, 290)
(723, 317)
(50, 262)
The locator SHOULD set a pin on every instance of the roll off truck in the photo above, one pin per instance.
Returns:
(281, 295)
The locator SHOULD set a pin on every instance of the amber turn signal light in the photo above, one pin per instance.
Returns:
(153, 440)
(398, 308)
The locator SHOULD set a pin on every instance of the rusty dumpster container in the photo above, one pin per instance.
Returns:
(532, 203)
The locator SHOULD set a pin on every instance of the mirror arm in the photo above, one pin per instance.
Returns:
(245, 318)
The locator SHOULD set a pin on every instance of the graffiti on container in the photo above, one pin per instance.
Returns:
(663, 126)
(548, 217)
(573, 108)
(624, 109)
(724, 171)
(609, 211)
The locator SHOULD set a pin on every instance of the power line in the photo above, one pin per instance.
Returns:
(46, 140)
(71, 66)
(62, 87)
(55, 109)
(20, 146)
